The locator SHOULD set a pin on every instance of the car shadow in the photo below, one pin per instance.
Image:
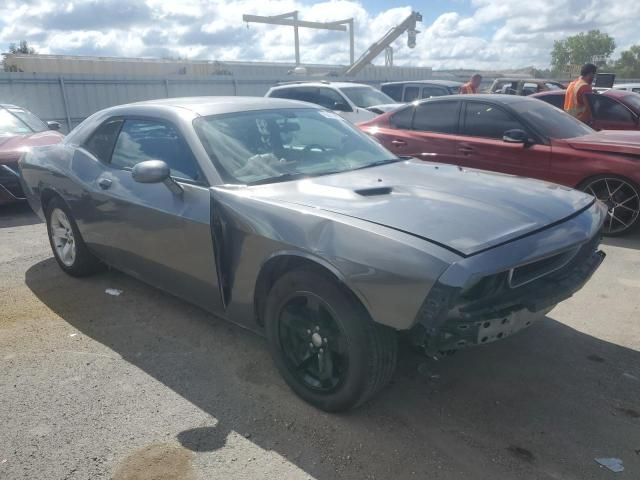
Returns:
(541, 404)
(17, 215)
(631, 240)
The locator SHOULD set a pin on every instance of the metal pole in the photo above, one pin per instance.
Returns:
(166, 86)
(352, 57)
(65, 104)
(296, 38)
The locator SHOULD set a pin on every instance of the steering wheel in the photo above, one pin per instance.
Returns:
(314, 146)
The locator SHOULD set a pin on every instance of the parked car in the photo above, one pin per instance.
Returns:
(259, 210)
(611, 110)
(20, 130)
(518, 86)
(629, 87)
(521, 136)
(415, 90)
(355, 102)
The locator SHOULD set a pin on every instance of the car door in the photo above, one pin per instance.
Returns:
(146, 230)
(481, 143)
(609, 114)
(432, 135)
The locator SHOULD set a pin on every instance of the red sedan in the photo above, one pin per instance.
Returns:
(521, 136)
(612, 110)
(20, 130)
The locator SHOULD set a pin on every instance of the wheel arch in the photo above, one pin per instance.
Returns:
(593, 176)
(47, 194)
(277, 264)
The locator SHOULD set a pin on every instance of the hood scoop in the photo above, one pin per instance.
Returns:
(374, 191)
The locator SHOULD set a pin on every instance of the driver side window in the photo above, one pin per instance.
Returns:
(141, 140)
(488, 121)
(328, 98)
(608, 110)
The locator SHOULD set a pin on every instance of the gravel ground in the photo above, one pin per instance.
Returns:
(144, 386)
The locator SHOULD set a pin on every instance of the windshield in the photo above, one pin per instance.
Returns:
(18, 121)
(365, 97)
(551, 121)
(274, 145)
(11, 125)
(633, 100)
(33, 122)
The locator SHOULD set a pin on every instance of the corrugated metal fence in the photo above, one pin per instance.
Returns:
(69, 99)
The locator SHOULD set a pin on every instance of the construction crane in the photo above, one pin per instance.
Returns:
(408, 25)
(291, 19)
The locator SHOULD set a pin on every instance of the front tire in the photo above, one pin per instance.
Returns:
(622, 198)
(324, 343)
(67, 245)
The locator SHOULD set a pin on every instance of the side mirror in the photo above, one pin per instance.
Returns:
(341, 107)
(53, 125)
(516, 136)
(155, 171)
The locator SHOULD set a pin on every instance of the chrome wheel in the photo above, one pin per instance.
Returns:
(62, 236)
(622, 200)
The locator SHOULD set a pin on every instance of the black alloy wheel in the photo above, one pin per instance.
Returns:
(622, 199)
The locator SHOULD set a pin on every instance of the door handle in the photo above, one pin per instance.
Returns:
(104, 183)
(466, 149)
(398, 143)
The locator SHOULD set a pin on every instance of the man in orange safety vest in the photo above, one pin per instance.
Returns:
(472, 85)
(575, 100)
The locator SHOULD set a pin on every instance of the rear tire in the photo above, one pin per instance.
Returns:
(67, 245)
(622, 198)
(324, 343)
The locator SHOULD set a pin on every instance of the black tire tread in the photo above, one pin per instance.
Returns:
(381, 341)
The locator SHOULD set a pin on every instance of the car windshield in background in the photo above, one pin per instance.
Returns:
(551, 121)
(633, 99)
(365, 97)
(11, 125)
(33, 122)
(273, 145)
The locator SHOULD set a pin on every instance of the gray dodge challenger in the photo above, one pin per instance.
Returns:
(283, 218)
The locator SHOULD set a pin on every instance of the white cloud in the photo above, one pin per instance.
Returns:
(509, 33)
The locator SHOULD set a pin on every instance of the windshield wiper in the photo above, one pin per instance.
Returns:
(283, 177)
(376, 164)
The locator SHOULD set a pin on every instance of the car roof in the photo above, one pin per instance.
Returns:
(218, 105)
(484, 97)
(445, 83)
(532, 80)
(323, 83)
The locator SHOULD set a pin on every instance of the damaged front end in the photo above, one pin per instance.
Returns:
(500, 304)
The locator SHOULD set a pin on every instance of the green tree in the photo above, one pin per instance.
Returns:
(22, 48)
(580, 49)
(628, 65)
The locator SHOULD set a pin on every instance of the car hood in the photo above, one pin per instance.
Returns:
(463, 210)
(12, 146)
(384, 108)
(615, 141)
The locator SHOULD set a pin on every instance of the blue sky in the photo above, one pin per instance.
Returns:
(475, 34)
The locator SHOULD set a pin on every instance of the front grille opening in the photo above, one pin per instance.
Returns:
(531, 271)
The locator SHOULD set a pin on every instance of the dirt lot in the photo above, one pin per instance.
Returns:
(143, 386)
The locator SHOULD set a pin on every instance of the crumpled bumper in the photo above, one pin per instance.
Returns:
(451, 318)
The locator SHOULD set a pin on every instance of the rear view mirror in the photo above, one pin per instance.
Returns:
(516, 136)
(155, 171)
(341, 107)
(53, 125)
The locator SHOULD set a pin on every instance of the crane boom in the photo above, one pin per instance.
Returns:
(407, 25)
